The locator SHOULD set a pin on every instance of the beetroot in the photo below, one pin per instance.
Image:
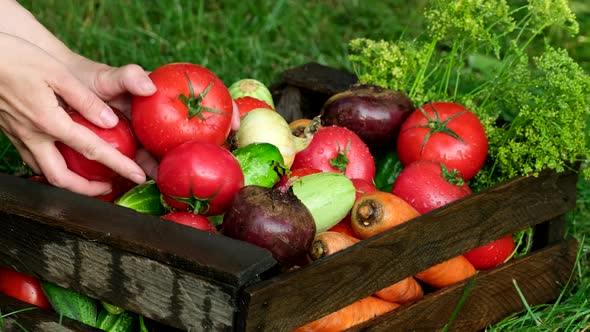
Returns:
(273, 219)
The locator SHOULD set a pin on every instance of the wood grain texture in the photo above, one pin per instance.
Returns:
(210, 255)
(540, 276)
(336, 281)
(158, 291)
(35, 319)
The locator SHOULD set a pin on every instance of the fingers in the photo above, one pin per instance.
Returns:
(53, 167)
(93, 147)
(148, 163)
(57, 173)
(113, 82)
(24, 152)
(84, 101)
(235, 117)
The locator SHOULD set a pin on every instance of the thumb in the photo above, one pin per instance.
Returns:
(114, 81)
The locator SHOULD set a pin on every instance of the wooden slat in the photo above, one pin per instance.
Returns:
(332, 283)
(540, 277)
(158, 291)
(319, 78)
(35, 319)
(213, 256)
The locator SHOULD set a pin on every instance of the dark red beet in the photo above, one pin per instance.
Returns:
(272, 219)
(375, 114)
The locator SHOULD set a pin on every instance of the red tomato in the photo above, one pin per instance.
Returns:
(362, 187)
(121, 137)
(343, 227)
(191, 104)
(492, 254)
(190, 219)
(22, 287)
(246, 104)
(337, 149)
(426, 185)
(445, 132)
(204, 175)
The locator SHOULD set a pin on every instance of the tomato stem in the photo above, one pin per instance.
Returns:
(437, 126)
(340, 162)
(452, 177)
(195, 103)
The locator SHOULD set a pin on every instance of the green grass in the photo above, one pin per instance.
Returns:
(260, 39)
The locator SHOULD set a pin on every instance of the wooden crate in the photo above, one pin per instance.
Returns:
(187, 279)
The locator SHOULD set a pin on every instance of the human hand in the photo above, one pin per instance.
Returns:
(117, 85)
(32, 83)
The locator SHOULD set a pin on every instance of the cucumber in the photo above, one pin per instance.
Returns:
(328, 196)
(112, 309)
(122, 322)
(143, 198)
(71, 304)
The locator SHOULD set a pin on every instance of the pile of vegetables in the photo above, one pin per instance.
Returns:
(423, 128)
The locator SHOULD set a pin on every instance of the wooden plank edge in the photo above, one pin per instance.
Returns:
(235, 262)
(540, 276)
(552, 193)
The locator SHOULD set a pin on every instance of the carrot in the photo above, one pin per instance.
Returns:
(349, 316)
(377, 211)
(402, 292)
(343, 227)
(447, 273)
(327, 243)
(304, 127)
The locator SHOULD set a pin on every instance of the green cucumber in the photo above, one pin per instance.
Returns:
(143, 198)
(112, 309)
(122, 322)
(71, 304)
(260, 163)
(328, 196)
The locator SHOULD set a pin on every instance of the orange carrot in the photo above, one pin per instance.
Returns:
(447, 273)
(378, 211)
(349, 316)
(402, 292)
(327, 243)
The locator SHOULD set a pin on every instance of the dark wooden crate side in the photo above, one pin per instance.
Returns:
(210, 255)
(336, 281)
(168, 272)
(540, 277)
(153, 289)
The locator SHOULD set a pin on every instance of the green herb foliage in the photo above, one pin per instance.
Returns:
(496, 59)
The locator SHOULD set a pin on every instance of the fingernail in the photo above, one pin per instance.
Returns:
(107, 192)
(108, 118)
(147, 86)
(137, 178)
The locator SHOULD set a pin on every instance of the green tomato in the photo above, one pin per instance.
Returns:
(261, 163)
